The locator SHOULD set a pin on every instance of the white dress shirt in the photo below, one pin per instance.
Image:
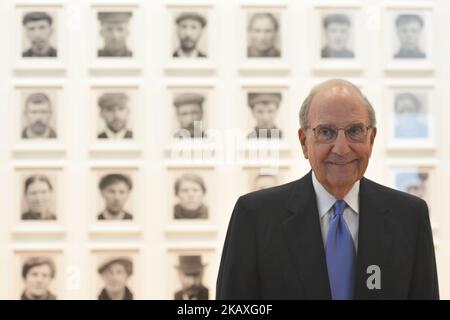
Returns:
(325, 202)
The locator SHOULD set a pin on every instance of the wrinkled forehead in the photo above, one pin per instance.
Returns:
(338, 105)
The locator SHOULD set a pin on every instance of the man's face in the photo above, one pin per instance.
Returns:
(262, 34)
(337, 35)
(116, 195)
(339, 164)
(190, 281)
(189, 32)
(115, 277)
(190, 195)
(188, 114)
(115, 117)
(38, 197)
(38, 33)
(37, 280)
(38, 116)
(264, 114)
(114, 34)
(409, 34)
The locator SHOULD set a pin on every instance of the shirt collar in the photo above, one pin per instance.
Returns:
(116, 135)
(325, 200)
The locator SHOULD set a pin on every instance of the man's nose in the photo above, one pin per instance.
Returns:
(341, 145)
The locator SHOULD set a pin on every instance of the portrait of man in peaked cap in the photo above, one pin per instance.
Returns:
(115, 32)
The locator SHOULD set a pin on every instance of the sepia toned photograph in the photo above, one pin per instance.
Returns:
(115, 189)
(39, 115)
(264, 108)
(115, 276)
(263, 34)
(337, 36)
(190, 191)
(114, 34)
(38, 276)
(190, 35)
(39, 34)
(190, 275)
(189, 111)
(261, 179)
(39, 198)
(115, 121)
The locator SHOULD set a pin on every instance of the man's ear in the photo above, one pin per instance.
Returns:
(373, 134)
(302, 139)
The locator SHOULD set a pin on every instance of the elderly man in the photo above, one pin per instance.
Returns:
(190, 26)
(115, 111)
(38, 113)
(262, 35)
(39, 30)
(332, 234)
(114, 30)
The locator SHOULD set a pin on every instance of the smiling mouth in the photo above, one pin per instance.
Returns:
(342, 163)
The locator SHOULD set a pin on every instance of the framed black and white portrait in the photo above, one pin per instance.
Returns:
(114, 272)
(38, 112)
(412, 121)
(191, 37)
(116, 108)
(191, 274)
(114, 40)
(38, 274)
(339, 29)
(260, 178)
(191, 193)
(114, 191)
(409, 36)
(40, 42)
(190, 109)
(262, 37)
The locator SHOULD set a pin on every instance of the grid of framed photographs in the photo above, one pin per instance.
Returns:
(133, 126)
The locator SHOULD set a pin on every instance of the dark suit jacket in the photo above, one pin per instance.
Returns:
(274, 248)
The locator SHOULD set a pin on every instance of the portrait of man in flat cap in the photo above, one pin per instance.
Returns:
(410, 36)
(115, 189)
(38, 116)
(189, 109)
(264, 107)
(263, 35)
(190, 29)
(115, 274)
(115, 112)
(115, 32)
(39, 32)
(38, 274)
(190, 273)
(337, 29)
(190, 190)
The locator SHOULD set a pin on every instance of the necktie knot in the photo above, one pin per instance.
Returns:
(339, 207)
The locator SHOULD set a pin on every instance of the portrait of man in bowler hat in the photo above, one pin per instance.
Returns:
(190, 272)
(115, 274)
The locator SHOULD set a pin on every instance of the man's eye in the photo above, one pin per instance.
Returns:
(355, 130)
(327, 132)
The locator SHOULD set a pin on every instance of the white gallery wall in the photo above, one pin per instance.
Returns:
(227, 162)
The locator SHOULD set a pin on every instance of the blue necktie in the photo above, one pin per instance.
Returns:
(341, 256)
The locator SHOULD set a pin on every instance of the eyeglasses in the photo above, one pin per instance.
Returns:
(356, 133)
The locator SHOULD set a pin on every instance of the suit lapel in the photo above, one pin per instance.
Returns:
(374, 240)
(304, 240)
